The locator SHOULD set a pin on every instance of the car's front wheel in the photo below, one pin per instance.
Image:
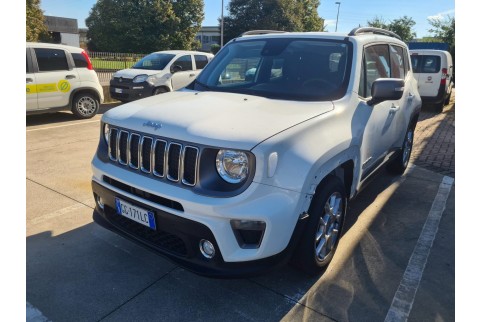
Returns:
(85, 105)
(326, 216)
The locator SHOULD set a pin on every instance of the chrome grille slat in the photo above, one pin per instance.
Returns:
(163, 159)
(174, 157)
(122, 146)
(189, 173)
(134, 141)
(146, 148)
(160, 154)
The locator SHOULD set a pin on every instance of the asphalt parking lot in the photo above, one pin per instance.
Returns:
(396, 256)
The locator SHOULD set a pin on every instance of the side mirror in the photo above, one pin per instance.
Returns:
(386, 89)
(175, 69)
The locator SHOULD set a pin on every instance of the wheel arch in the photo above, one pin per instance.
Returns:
(81, 90)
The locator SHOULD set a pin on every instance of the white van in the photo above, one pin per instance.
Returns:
(157, 73)
(433, 70)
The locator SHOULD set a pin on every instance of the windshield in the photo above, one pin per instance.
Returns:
(154, 61)
(283, 68)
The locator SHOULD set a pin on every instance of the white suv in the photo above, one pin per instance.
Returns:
(235, 175)
(59, 78)
(157, 73)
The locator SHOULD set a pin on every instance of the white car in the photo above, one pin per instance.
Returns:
(433, 69)
(233, 177)
(59, 78)
(159, 72)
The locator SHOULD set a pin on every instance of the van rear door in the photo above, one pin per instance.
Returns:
(427, 68)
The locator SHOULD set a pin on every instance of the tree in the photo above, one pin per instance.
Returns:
(144, 26)
(287, 15)
(36, 28)
(402, 26)
(444, 29)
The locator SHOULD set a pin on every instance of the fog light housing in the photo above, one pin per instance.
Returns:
(100, 202)
(207, 248)
(248, 233)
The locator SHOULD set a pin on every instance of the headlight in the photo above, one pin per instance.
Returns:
(232, 165)
(151, 80)
(140, 79)
(106, 132)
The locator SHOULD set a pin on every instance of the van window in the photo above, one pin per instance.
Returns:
(51, 59)
(425, 63)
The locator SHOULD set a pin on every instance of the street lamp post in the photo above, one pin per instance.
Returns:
(222, 22)
(338, 3)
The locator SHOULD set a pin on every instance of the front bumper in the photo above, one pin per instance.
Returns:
(178, 238)
(128, 91)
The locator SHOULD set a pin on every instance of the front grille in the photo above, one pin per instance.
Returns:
(158, 238)
(162, 158)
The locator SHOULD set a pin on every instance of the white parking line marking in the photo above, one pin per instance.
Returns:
(403, 300)
(59, 212)
(65, 125)
(34, 314)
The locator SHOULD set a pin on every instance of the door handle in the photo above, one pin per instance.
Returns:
(69, 76)
(29, 80)
(410, 96)
(192, 75)
(394, 108)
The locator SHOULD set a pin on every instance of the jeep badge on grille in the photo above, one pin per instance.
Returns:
(155, 125)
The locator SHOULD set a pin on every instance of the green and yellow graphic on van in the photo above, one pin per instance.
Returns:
(63, 86)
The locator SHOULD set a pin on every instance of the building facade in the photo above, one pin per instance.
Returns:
(64, 31)
(207, 36)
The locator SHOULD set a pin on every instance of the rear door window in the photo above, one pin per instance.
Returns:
(396, 60)
(425, 63)
(201, 61)
(51, 59)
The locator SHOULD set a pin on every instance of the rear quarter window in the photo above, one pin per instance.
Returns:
(79, 60)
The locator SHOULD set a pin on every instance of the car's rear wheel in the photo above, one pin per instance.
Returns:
(400, 163)
(85, 105)
(322, 234)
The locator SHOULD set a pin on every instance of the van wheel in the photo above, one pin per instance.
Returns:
(439, 107)
(322, 234)
(159, 90)
(447, 100)
(85, 105)
(400, 163)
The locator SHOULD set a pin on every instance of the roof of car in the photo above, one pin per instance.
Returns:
(363, 37)
(58, 46)
(176, 52)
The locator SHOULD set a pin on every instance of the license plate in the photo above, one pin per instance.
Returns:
(139, 215)
(118, 90)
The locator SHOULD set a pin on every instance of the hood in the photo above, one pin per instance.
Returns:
(132, 72)
(213, 118)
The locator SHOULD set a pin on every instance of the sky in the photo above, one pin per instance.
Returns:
(352, 12)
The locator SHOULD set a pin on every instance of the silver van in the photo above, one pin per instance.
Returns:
(433, 70)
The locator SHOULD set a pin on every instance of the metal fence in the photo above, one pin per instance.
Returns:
(105, 64)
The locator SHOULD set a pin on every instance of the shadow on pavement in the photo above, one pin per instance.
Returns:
(90, 273)
(61, 117)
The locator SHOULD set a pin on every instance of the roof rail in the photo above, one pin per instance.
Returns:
(261, 32)
(373, 30)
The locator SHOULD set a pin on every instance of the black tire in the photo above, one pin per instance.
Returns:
(85, 105)
(399, 164)
(159, 90)
(439, 107)
(447, 100)
(307, 257)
